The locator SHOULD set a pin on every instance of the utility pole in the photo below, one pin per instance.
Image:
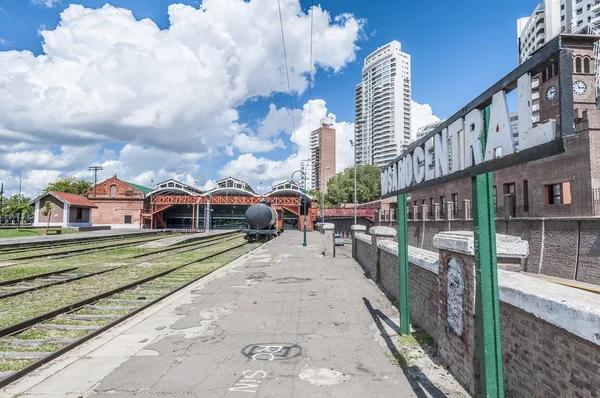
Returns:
(20, 211)
(1, 197)
(303, 199)
(95, 170)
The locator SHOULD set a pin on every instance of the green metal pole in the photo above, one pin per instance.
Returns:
(403, 296)
(487, 297)
(304, 219)
(486, 278)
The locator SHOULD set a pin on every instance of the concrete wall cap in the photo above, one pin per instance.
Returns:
(382, 231)
(328, 225)
(507, 246)
(574, 310)
(425, 259)
(358, 227)
(364, 238)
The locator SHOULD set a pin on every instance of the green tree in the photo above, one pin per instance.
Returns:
(18, 206)
(340, 188)
(47, 212)
(70, 185)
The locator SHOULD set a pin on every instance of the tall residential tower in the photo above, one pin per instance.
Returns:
(383, 98)
(322, 155)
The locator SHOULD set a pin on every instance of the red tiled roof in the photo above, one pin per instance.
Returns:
(73, 199)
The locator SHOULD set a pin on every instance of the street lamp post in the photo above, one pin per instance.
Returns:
(353, 147)
(303, 174)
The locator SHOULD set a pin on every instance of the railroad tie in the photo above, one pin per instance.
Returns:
(37, 343)
(124, 301)
(51, 326)
(23, 355)
(77, 317)
(110, 307)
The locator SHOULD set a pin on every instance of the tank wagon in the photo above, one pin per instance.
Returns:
(262, 222)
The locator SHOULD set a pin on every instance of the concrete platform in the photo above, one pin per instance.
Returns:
(188, 237)
(81, 236)
(281, 321)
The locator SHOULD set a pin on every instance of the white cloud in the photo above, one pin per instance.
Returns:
(247, 143)
(105, 76)
(3, 41)
(421, 115)
(261, 169)
(46, 3)
(277, 121)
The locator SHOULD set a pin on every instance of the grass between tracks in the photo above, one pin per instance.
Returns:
(27, 232)
(25, 306)
(75, 246)
(92, 262)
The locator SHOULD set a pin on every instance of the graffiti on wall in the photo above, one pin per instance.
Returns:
(455, 290)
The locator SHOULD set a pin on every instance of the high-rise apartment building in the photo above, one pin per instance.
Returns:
(575, 15)
(423, 131)
(306, 174)
(383, 120)
(322, 154)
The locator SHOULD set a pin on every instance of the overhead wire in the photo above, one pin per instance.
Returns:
(287, 72)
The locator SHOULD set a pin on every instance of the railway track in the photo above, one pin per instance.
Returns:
(28, 345)
(31, 283)
(86, 250)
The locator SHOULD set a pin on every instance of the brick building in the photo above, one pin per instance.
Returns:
(119, 203)
(322, 153)
(68, 210)
(566, 185)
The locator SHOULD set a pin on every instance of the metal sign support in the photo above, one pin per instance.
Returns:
(403, 291)
(487, 302)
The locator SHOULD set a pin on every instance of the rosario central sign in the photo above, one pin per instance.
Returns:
(455, 149)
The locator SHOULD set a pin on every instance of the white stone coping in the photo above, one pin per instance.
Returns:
(364, 238)
(507, 246)
(328, 226)
(420, 257)
(574, 310)
(382, 231)
(358, 227)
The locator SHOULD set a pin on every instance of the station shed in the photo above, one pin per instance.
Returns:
(68, 210)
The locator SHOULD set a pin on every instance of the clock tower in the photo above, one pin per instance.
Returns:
(584, 79)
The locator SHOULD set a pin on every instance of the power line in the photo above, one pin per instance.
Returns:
(286, 66)
(310, 66)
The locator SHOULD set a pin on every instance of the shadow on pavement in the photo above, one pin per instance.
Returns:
(422, 386)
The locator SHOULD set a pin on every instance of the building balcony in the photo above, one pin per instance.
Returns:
(595, 20)
(596, 7)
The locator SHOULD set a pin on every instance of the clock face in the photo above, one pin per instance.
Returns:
(579, 87)
(551, 93)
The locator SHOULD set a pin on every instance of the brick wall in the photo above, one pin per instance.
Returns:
(114, 211)
(85, 215)
(566, 248)
(543, 361)
(366, 255)
(540, 359)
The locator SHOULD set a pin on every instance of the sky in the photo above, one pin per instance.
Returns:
(198, 90)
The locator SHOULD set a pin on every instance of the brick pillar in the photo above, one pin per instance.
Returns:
(450, 210)
(425, 212)
(328, 241)
(378, 234)
(436, 211)
(356, 228)
(415, 212)
(466, 209)
(457, 328)
(509, 206)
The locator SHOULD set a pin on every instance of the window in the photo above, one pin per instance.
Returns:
(495, 201)
(558, 194)
(509, 188)
(127, 220)
(579, 11)
(544, 76)
(79, 213)
(562, 18)
(525, 195)
(431, 206)
(589, 6)
(113, 191)
(586, 65)
(455, 202)
(562, 6)
(578, 65)
(442, 205)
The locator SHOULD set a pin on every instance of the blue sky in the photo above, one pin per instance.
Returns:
(458, 49)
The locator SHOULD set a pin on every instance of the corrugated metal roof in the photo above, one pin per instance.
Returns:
(140, 188)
